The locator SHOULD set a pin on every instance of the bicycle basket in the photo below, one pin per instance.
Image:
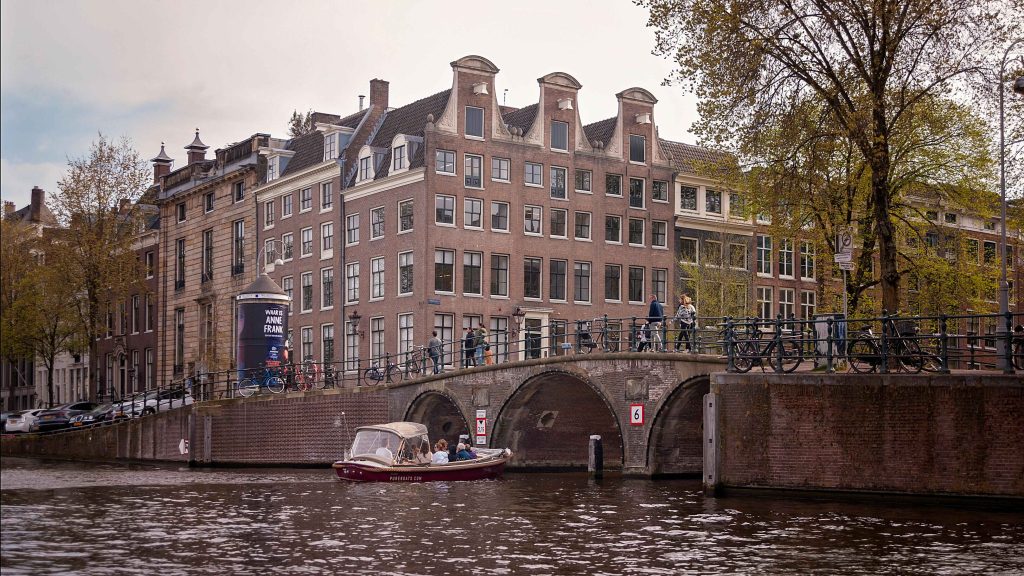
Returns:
(906, 328)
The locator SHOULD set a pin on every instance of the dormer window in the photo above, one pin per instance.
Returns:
(637, 148)
(474, 122)
(271, 168)
(365, 168)
(559, 136)
(330, 147)
(398, 157)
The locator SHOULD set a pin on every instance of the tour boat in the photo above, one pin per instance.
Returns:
(401, 452)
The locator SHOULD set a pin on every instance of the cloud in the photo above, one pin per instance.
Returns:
(18, 178)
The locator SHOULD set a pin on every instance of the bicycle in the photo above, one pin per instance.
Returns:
(414, 361)
(1018, 347)
(865, 352)
(376, 374)
(587, 341)
(269, 379)
(307, 376)
(749, 352)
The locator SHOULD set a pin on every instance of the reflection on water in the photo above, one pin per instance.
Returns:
(102, 519)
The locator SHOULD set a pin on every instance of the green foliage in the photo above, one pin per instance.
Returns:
(300, 124)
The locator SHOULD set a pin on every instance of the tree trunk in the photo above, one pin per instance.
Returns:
(884, 229)
(49, 383)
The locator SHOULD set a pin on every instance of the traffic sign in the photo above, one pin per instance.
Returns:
(844, 244)
(636, 414)
(846, 265)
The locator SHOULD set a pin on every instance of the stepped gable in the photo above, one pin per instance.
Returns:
(687, 157)
(409, 120)
(522, 118)
(309, 150)
(602, 130)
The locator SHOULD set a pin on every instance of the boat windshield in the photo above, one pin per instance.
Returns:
(392, 447)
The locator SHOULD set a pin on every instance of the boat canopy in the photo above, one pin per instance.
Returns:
(395, 443)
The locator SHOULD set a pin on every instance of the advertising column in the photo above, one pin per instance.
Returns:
(262, 326)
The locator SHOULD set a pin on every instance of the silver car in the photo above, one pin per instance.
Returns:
(22, 421)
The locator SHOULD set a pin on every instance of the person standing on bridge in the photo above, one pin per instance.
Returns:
(469, 348)
(686, 316)
(434, 349)
(656, 320)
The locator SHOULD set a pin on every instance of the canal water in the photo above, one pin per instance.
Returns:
(75, 518)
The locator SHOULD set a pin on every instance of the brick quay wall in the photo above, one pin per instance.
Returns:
(958, 435)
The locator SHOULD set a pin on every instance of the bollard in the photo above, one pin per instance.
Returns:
(596, 464)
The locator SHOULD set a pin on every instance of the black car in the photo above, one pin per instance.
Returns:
(60, 416)
(98, 415)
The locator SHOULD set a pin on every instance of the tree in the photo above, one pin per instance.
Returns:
(18, 252)
(720, 283)
(300, 124)
(97, 204)
(871, 65)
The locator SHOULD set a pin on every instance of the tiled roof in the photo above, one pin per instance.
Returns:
(309, 150)
(601, 130)
(521, 118)
(352, 120)
(46, 216)
(409, 120)
(690, 158)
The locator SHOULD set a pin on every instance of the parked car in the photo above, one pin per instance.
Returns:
(152, 402)
(57, 418)
(22, 421)
(99, 415)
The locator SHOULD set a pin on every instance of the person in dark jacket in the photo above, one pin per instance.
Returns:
(469, 347)
(463, 453)
(656, 319)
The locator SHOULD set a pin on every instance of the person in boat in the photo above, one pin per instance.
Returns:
(440, 452)
(464, 453)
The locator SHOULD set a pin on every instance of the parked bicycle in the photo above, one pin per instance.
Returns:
(414, 362)
(308, 375)
(903, 352)
(751, 348)
(375, 374)
(589, 338)
(264, 377)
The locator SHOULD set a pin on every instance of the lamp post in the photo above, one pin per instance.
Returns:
(517, 323)
(277, 261)
(1004, 286)
(354, 319)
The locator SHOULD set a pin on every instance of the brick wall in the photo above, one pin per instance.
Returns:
(928, 434)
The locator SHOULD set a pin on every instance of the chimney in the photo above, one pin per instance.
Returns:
(38, 198)
(196, 150)
(361, 97)
(8, 208)
(161, 165)
(379, 93)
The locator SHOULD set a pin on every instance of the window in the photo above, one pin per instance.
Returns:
(351, 347)
(405, 273)
(613, 229)
(306, 295)
(398, 158)
(636, 284)
(286, 205)
(499, 275)
(581, 282)
(808, 304)
(659, 234)
(786, 302)
(444, 325)
(326, 238)
(405, 333)
(473, 215)
(405, 216)
(352, 282)
(377, 223)
(807, 261)
(327, 343)
(352, 229)
(474, 171)
(584, 180)
(179, 339)
(288, 287)
(269, 253)
(712, 201)
(559, 135)
(307, 241)
(712, 255)
(531, 219)
(376, 278)
(327, 288)
(531, 277)
(474, 122)
(306, 342)
(444, 210)
(305, 199)
(150, 264)
(786, 258)
(737, 205)
(582, 226)
(556, 278)
(659, 284)
(271, 169)
(636, 192)
(240, 189)
(972, 250)
(688, 250)
(238, 247)
(687, 198)
(659, 191)
(444, 270)
(764, 255)
(286, 246)
(613, 184)
(179, 265)
(558, 183)
(931, 215)
(181, 212)
(533, 174)
(738, 256)
(135, 314)
(149, 314)
(989, 252)
(209, 199)
(499, 216)
(637, 148)
(268, 214)
(612, 282)
(636, 231)
(472, 269)
(365, 164)
(499, 338)
(207, 273)
(150, 371)
(500, 169)
(764, 301)
(558, 222)
(330, 147)
(444, 162)
(990, 226)
(326, 196)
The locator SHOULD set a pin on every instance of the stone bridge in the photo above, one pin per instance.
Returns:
(646, 407)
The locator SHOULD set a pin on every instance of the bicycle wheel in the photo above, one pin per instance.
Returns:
(247, 387)
(863, 356)
(395, 374)
(275, 384)
(373, 375)
(909, 362)
(412, 366)
(792, 356)
(744, 353)
(319, 381)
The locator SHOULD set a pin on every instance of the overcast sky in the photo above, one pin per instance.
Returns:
(155, 71)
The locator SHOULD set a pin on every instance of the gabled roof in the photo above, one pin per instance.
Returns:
(522, 118)
(309, 150)
(409, 120)
(601, 130)
(46, 216)
(687, 157)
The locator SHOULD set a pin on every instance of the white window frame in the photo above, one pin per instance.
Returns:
(352, 283)
(540, 220)
(326, 235)
(590, 226)
(558, 123)
(465, 211)
(490, 217)
(406, 260)
(350, 230)
(446, 197)
(483, 123)
(377, 278)
(383, 221)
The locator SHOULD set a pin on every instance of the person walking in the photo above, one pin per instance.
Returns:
(480, 339)
(434, 349)
(469, 348)
(656, 321)
(686, 317)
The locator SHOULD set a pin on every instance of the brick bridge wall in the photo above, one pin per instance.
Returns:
(927, 434)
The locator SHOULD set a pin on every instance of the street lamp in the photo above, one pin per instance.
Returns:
(354, 319)
(517, 321)
(277, 261)
(1004, 286)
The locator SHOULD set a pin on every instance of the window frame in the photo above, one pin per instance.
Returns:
(563, 125)
(483, 123)
(445, 208)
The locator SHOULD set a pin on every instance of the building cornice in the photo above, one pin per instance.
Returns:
(311, 175)
(389, 183)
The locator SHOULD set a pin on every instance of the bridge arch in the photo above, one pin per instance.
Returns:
(675, 442)
(440, 413)
(548, 418)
